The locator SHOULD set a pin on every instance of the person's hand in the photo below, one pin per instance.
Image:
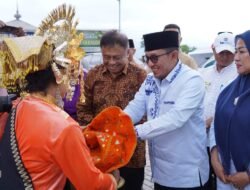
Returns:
(116, 174)
(119, 180)
(239, 180)
(208, 122)
(2, 24)
(114, 181)
(217, 166)
(83, 127)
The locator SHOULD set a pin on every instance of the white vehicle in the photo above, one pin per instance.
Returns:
(209, 62)
(90, 60)
(201, 55)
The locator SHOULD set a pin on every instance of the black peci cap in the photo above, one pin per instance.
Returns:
(161, 40)
(131, 43)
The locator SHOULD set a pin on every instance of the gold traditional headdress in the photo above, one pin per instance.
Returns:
(22, 55)
(56, 42)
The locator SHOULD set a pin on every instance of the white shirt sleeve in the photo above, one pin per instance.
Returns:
(188, 101)
(136, 108)
(212, 141)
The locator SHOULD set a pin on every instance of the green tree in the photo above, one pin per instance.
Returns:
(185, 48)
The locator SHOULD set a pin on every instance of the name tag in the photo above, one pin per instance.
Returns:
(148, 92)
(169, 102)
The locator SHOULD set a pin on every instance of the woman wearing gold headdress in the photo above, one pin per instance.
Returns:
(41, 144)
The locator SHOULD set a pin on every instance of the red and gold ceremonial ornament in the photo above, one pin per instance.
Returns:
(111, 139)
(60, 29)
(55, 42)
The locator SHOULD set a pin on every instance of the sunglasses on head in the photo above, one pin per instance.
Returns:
(153, 58)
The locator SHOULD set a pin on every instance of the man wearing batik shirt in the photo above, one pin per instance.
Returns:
(114, 83)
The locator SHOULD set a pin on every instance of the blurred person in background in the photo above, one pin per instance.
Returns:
(134, 60)
(185, 58)
(131, 50)
(216, 77)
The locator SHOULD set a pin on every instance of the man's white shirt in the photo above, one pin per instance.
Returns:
(214, 82)
(175, 129)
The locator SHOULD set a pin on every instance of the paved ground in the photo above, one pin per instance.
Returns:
(147, 185)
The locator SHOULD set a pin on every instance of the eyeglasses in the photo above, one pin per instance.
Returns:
(153, 58)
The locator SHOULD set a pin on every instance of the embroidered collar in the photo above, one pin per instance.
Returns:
(173, 74)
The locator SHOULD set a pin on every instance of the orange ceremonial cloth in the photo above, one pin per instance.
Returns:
(111, 139)
(52, 147)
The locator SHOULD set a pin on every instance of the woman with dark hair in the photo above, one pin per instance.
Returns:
(230, 150)
(42, 145)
